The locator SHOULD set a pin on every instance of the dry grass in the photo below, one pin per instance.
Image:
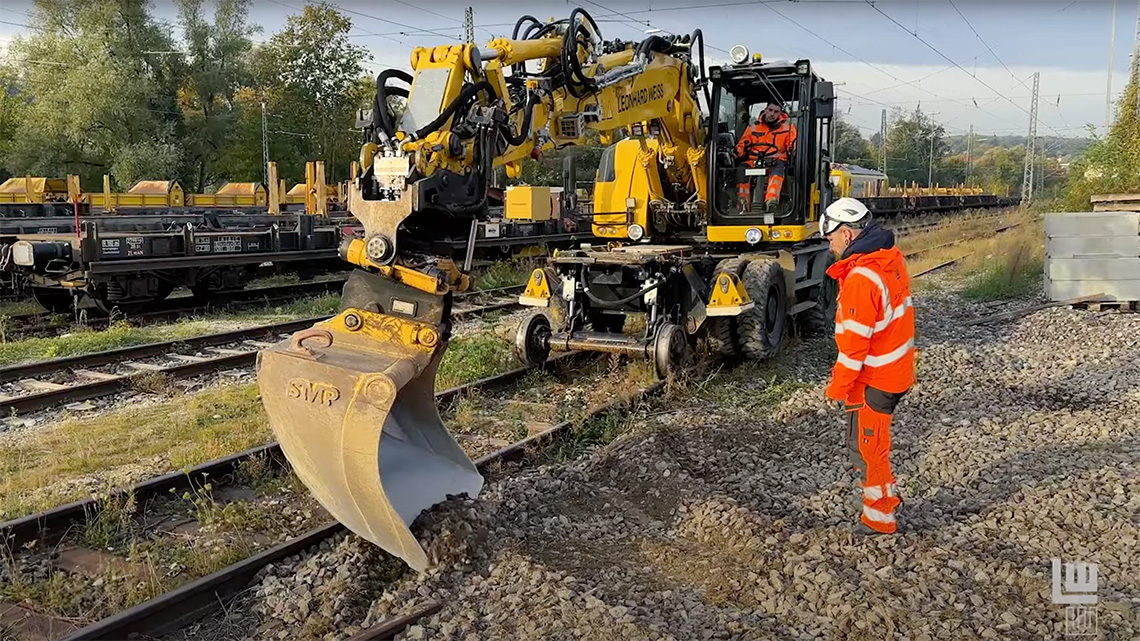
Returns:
(506, 273)
(1007, 266)
(970, 238)
(77, 457)
(123, 334)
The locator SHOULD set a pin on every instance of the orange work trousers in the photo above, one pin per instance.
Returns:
(869, 413)
(771, 194)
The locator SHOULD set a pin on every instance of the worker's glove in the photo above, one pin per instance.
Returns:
(834, 404)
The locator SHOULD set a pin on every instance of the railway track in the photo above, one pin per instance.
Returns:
(933, 224)
(39, 385)
(36, 386)
(951, 261)
(199, 597)
(48, 324)
(202, 596)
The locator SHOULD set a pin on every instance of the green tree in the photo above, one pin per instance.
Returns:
(12, 106)
(98, 87)
(850, 145)
(216, 68)
(999, 170)
(910, 142)
(1110, 164)
(313, 81)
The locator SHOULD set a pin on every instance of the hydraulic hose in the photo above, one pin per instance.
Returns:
(611, 304)
(461, 101)
(531, 23)
(484, 160)
(519, 24)
(381, 119)
(524, 131)
(654, 43)
(699, 35)
(576, 81)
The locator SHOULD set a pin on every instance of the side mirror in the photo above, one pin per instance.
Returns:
(824, 99)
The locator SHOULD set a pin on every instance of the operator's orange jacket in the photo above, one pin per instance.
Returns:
(874, 318)
(754, 144)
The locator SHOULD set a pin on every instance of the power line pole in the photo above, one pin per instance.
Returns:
(969, 155)
(1031, 144)
(1111, 55)
(883, 143)
(469, 24)
(930, 171)
(264, 145)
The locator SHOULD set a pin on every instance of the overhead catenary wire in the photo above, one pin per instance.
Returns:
(871, 3)
(986, 44)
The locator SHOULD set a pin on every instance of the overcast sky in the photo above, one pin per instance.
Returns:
(975, 67)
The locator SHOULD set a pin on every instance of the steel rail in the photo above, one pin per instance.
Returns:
(52, 525)
(25, 403)
(181, 606)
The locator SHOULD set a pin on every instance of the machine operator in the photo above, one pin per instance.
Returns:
(770, 141)
(874, 331)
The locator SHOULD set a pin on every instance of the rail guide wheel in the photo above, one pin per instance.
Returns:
(671, 353)
(532, 340)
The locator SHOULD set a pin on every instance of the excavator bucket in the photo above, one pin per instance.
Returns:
(351, 401)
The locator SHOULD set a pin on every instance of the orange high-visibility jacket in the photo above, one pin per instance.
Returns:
(759, 135)
(874, 318)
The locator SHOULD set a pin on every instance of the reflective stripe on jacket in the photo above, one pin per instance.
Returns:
(759, 135)
(874, 323)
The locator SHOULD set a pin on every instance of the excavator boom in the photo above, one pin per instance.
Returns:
(351, 399)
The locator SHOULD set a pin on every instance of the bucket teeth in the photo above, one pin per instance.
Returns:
(355, 413)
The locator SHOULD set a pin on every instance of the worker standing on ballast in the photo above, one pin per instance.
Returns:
(874, 331)
(771, 141)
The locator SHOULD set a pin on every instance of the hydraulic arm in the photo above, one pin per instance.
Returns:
(351, 399)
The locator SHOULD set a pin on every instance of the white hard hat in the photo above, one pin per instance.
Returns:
(845, 211)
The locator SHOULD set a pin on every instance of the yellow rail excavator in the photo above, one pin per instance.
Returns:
(351, 399)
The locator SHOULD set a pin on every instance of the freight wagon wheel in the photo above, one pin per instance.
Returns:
(819, 320)
(762, 327)
(670, 351)
(722, 331)
(56, 301)
(532, 340)
(132, 306)
(201, 292)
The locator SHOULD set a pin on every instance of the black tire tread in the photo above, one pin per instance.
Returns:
(722, 332)
(755, 343)
(819, 320)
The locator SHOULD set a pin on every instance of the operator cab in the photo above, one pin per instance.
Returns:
(737, 190)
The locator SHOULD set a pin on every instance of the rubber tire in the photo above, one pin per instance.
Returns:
(759, 338)
(670, 351)
(820, 320)
(722, 331)
(531, 347)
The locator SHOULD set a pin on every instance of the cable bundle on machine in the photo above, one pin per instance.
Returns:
(577, 82)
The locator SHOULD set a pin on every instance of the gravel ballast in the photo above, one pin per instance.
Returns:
(728, 516)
